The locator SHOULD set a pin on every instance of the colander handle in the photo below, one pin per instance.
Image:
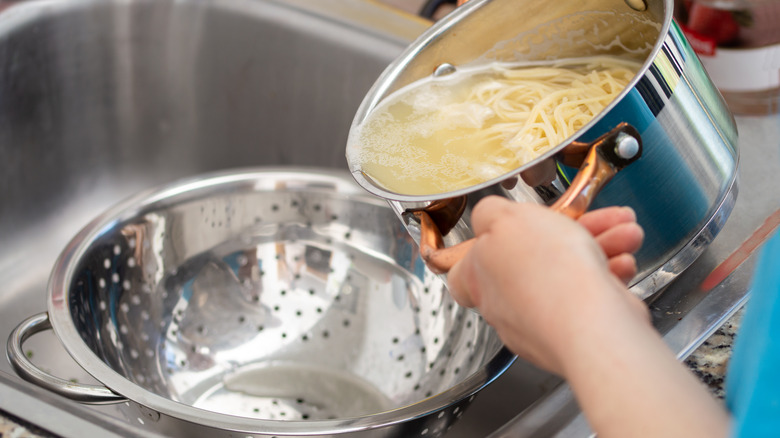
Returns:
(606, 156)
(82, 393)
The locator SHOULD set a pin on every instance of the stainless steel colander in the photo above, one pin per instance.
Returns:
(274, 302)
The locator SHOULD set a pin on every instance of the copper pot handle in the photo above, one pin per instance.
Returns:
(606, 156)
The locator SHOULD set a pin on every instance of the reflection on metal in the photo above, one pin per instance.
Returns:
(217, 323)
(685, 312)
(112, 119)
(690, 153)
(607, 155)
(444, 70)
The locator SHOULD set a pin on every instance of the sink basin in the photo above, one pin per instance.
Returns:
(100, 99)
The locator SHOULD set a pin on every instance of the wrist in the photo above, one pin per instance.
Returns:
(625, 378)
(608, 324)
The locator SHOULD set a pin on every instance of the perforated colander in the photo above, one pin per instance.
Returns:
(277, 302)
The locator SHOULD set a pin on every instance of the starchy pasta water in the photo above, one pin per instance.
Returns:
(442, 134)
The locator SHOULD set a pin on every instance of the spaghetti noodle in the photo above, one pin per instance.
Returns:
(443, 134)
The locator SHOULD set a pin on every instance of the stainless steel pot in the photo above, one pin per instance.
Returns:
(683, 186)
(268, 302)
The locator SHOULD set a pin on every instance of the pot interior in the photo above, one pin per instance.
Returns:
(627, 30)
(490, 31)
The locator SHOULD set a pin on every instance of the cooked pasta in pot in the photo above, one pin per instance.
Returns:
(443, 134)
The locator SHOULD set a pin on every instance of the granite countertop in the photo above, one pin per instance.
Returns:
(710, 361)
(13, 428)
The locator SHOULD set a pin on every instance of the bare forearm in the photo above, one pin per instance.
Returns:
(629, 384)
(579, 320)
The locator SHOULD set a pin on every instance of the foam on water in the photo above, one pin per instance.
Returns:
(441, 134)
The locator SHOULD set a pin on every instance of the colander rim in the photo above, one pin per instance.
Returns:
(64, 272)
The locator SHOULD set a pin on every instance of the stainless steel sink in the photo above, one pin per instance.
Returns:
(100, 99)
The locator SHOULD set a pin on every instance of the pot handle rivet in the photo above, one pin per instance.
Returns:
(444, 70)
(626, 147)
(148, 413)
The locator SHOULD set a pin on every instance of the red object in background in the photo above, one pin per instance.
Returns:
(718, 24)
(738, 42)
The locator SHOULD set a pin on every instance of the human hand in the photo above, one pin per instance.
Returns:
(537, 276)
(619, 236)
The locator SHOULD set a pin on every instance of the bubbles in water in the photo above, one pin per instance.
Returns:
(438, 135)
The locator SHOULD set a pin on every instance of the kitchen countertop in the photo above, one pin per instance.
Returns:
(14, 428)
(710, 361)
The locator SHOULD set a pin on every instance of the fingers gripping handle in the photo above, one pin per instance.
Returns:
(607, 155)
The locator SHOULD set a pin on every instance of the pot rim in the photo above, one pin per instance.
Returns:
(62, 323)
(379, 91)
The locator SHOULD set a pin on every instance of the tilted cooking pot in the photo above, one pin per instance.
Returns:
(683, 186)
